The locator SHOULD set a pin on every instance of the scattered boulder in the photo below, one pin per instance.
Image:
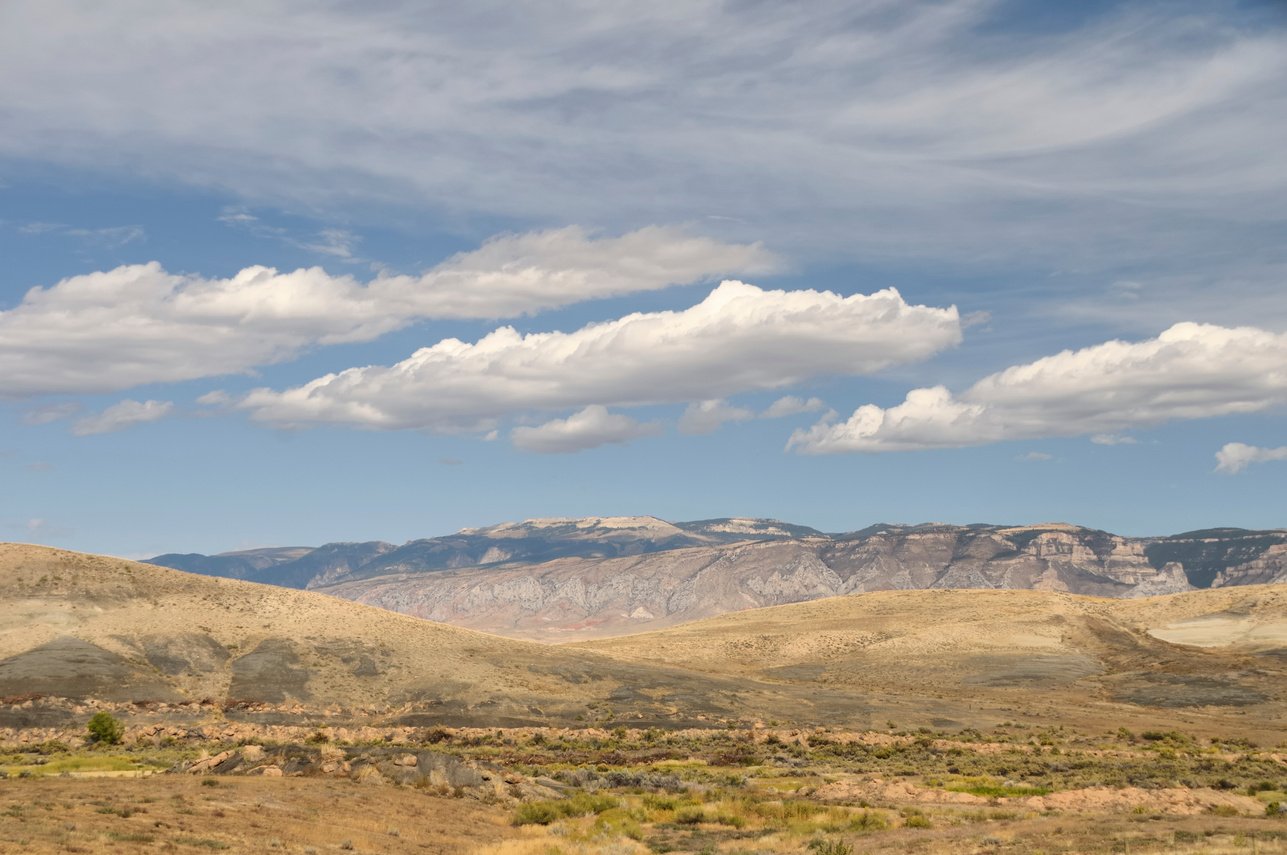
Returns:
(218, 763)
(431, 770)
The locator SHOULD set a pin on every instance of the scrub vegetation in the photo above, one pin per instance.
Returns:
(1009, 788)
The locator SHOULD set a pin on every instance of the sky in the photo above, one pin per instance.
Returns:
(286, 273)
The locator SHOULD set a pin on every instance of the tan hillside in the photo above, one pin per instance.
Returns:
(87, 627)
(83, 626)
(962, 656)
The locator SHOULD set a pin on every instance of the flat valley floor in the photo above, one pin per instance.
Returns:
(1013, 789)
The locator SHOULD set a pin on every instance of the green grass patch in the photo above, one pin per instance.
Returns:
(546, 812)
(618, 823)
(97, 762)
(995, 789)
(667, 801)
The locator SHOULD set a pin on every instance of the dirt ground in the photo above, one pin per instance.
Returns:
(169, 813)
(174, 813)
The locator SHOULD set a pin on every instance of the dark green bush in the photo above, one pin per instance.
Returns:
(106, 729)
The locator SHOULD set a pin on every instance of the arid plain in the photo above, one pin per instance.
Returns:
(265, 719)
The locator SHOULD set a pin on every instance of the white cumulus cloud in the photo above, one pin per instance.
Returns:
(122, 415)
(137, 324)
(740, 338)
(590, 428)
(1190, 371)
(1234, 457)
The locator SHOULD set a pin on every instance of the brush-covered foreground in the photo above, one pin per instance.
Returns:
(1010, 788)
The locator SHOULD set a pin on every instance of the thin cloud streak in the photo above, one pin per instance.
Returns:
(590, 428)
(122, 415)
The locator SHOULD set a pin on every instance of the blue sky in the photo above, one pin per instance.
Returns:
(285, 273)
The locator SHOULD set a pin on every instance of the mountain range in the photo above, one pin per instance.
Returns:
(566, 579)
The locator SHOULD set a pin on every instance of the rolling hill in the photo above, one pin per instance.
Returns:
(88, 628)
(83, 627)
(1195, 659)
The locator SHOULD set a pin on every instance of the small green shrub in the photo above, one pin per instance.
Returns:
(990, 789)
(105, 729)
(535, 813)
(690, 815)
(868, 821)
(545, 812)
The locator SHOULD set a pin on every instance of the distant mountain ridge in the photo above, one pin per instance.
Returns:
(598, 576)
(528, 542)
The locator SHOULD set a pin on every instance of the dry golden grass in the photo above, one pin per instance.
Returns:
(113, 603)
(977, 657)
(161, 634)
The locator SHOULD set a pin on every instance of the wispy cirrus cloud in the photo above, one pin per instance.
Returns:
(1190, 371)
(36, 529)
(333, 242)
(707, 416)
(739, 339)
(338, 243)
(50, 413)
(110, 237)
(793, 406)
(701, 417)
(122, 415)
(140, 323)
(588, 428)
(955, 124)
(1113, 439)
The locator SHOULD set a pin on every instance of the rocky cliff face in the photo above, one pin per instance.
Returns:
(554, 579)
